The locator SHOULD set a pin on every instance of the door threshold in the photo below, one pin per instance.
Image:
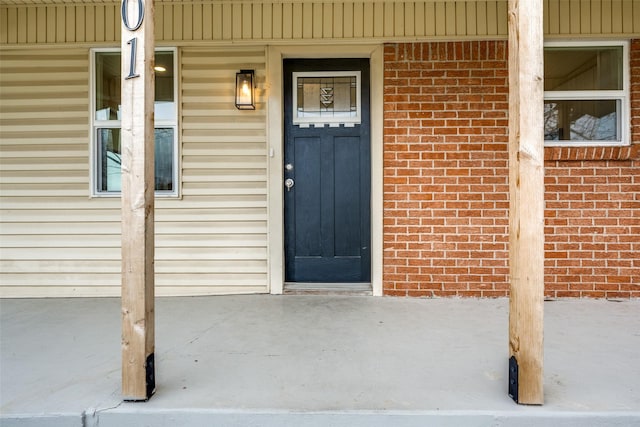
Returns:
(304, 288)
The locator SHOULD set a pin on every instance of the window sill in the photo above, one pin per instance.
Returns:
(627, 152)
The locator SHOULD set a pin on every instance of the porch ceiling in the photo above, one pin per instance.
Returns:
(80, 2)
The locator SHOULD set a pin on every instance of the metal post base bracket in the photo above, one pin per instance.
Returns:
(513, 378)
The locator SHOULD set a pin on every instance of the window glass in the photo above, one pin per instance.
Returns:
(583, 68)
(109, 159)
(581, 120)
(107, 86)
(107, 82)
(165, 104)
(586, 95)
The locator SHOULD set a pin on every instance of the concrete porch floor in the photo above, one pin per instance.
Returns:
(265, 360)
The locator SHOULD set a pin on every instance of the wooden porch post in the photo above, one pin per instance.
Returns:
(526, 210)
(137, 141)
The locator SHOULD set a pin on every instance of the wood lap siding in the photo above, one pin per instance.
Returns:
(222, 233)
(56, 241)
(51, 236)
(226, 20)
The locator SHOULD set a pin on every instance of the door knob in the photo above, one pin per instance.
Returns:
(289, 183)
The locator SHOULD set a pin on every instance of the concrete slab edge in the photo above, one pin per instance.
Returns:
(132, 417)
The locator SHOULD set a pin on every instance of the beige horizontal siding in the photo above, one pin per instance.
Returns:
(41, 21)
(57, 241)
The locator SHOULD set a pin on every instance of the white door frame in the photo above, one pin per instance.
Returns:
(275, 140)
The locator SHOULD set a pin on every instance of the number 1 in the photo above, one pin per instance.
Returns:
(132, 65)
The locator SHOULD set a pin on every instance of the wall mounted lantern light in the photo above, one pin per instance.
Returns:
(245, 89)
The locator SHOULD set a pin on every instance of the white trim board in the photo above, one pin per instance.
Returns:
(275, 103)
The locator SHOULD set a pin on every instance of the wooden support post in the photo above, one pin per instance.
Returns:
(526, 209)
(138, 184)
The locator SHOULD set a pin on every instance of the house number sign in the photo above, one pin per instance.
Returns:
(127, 24)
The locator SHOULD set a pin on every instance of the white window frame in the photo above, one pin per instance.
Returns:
(116, 124)
(604, 95)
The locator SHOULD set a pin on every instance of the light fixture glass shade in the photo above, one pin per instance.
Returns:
(245, 89)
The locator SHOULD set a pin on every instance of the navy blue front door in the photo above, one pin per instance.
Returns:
(327, 201)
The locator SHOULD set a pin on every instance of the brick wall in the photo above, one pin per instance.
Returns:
(592, 215)
(446, 184)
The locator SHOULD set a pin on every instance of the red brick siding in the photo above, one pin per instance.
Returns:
(592, 215)
(445, 169)
(446, 184)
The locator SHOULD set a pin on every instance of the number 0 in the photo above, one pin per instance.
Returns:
(125, 15)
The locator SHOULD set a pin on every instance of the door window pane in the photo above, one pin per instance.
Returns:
(331, 97)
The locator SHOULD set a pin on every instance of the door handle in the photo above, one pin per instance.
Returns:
(289, 183)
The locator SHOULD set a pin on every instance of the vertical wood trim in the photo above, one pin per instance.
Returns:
(226, 21)
(90, 24)
(217, 22)
(296, 19)
(526, 187)
(400, 22)
(564, 17)
(81, 20)
(316, 19)
(471, 19)
(430, 19)
(450, 18)
(585, 16)
(627, 15)
(307, 20)
(440, 19)
(606, 16)
(268, 21)
(492, 18)
(4, 25)
(99, 23)
(378, 19)
(389, 21)
(60, 31)
(338, 20)
(198, 14)
(596, 15)
(206, 22)
(277, 21)
(236, 21)
(32, 27)
(187, 21)
(109, 24)
(362, 20)
(327, 20)
(503, 24)
(409, 19)
(616, 16)
(256, 20)
(178, 21)
(221, 20)
(461, 19)
(419, 16)
(137, 204)
(22, 25)
(287, 21)
(70, 20)
(247, 17)
(574, 16)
